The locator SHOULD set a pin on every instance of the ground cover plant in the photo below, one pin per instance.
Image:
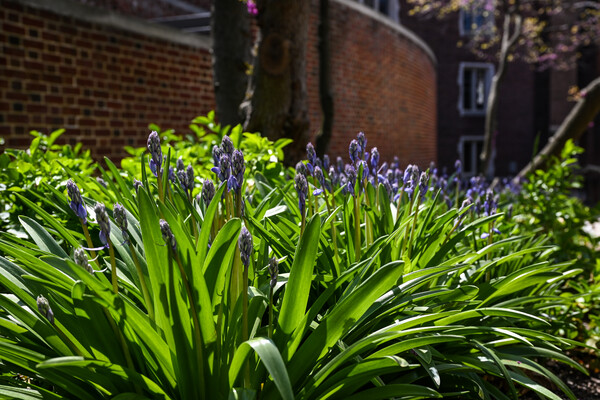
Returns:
(329, 280)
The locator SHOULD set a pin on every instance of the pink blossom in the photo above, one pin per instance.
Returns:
(252, 9)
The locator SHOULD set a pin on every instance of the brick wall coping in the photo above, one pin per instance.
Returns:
(95, 15)
(371, 13)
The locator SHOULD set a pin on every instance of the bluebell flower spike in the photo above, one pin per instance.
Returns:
(76, 202)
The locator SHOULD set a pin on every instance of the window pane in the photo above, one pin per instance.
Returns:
(467, 156)
(480, 89)
(479, 149)
(384, 7)
(467, 89)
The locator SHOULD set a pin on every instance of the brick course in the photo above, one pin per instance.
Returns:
(105, 85)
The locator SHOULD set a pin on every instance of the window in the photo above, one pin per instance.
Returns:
(389, 8)
(469, 149)
(474, 18)
(474, 81)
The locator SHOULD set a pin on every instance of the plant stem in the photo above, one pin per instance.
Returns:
(356, 229)
(270, 312)
(145, 292)
(88, 238)
(414, 225)
(113, 267)
(245, 324)
(161, 195)
(333, 235)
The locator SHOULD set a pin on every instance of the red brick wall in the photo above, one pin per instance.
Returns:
(383, 84)
(103, 85)
(106, 85)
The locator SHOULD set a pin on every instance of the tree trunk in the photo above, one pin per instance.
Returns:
(278, 104)
(325, 93)
(573, 126)
(230, 25)
(491, 112)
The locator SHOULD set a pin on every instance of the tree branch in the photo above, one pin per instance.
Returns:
(573, 126)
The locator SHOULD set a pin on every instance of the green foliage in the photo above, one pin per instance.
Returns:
(379, 294)
(261, 154)
(42, 163)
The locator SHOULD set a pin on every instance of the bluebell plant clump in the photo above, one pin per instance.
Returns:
(238, 264)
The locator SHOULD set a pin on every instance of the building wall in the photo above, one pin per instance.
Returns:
(516, 125)
(105, 82)
(103, 85)
(383, 82)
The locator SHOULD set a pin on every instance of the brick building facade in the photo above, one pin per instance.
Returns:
(532, 102)
(105, 76)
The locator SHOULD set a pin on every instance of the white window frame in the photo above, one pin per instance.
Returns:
(474, 156)
(489, 67)
(487, 26)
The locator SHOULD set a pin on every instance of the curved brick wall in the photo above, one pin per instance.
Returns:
(105, 78)
(384, 84)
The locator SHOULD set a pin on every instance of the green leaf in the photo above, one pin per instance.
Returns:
(404, 391)
(270, 357)
(342, 317)
(41, 237)
(297, 290)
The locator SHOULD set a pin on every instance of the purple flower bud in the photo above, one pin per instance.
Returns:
(423, 184)
(354, 151)
(489, 205)
(350, 179)
(155, 150)
(76, 202)
(227, 145)
(334, 176)
(311, 155)
(238, 167)
(273, 271)
(339, 164)
(44, 308)
(224, 170)
(362, 142)
(179, 164)
(81, 259)
(458, 167)
(208, 191)
(102, 182)
(395, 163)
(320, 177)
(137, 185)
(172, 175)
(216, 155)
(301, 168)
(167, 234)
(246, 246)
(301, 186)
(190, 177)
(103, 222)
(326, 162)
(374, 159)
(121, 220)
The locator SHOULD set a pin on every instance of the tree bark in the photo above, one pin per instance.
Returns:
(325, 92)
(491, 113)
(278, 101)
(230, 26)
(573, 126)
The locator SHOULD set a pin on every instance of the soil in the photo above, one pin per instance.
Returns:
(583, 387)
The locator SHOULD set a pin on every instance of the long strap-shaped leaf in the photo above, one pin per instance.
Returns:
(296, 294)
(342, 318)
(270, 357)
